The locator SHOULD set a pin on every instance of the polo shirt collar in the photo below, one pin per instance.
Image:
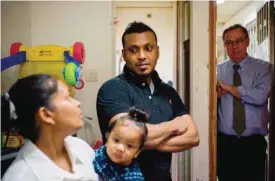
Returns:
(138, 80)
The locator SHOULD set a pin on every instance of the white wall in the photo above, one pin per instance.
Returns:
(244, 16)
(200, 87)
(247, 14)
(15, 26)
(63, 23)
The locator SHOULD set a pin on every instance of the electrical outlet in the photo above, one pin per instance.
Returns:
(91, 75)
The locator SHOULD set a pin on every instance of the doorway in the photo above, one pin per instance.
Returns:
(259, 19)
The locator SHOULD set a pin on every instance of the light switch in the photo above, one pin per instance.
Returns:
(91, 75)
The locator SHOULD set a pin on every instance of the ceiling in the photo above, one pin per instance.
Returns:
(228, 9)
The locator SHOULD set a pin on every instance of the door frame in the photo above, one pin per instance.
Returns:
(212, 92)
(183, 72)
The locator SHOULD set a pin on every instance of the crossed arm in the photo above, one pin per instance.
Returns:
(256, 95)
(183, 141)
(176, 135)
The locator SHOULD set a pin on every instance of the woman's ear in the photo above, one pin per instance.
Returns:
(45, 115)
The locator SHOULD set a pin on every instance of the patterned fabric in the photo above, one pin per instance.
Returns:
(109, 171)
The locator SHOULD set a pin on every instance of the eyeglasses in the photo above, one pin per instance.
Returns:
(230, 43)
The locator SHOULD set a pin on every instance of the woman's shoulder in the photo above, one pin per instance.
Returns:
(76, 141)
(78, 144)
(81, 151)
(19, 171)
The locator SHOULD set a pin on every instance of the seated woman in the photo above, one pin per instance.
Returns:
(46, 115)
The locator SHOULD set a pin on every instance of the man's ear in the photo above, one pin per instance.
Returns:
(123, 54)
(45, 115)
(158, 51)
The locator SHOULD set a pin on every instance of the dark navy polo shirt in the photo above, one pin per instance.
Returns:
(117, 95)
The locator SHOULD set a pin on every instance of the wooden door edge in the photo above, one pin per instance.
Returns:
(212, 91)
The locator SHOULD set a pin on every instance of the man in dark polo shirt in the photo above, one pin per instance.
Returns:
(171, 129)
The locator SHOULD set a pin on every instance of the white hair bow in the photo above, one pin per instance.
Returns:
(13, 114)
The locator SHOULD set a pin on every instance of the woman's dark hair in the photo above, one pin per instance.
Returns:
(27, 95)
(139, 117)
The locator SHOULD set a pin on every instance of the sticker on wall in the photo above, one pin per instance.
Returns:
(116, 20)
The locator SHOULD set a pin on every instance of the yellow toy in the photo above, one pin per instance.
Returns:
(60, 62)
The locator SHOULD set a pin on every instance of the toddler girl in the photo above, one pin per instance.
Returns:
(116, 160)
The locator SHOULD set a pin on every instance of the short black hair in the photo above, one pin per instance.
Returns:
(28, 95)
(138, 116)
(136, 27)
(235, 26)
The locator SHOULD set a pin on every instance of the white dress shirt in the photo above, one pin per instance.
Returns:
(31, 164)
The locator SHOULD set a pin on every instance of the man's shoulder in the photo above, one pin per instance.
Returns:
(259, 62)
(114, 82)
(258, 65)
(169, 90)
(167, 87)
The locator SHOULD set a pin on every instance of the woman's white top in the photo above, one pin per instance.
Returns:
(31, 164)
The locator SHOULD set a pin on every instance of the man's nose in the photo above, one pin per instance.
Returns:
(141, 55)
(235, 44)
